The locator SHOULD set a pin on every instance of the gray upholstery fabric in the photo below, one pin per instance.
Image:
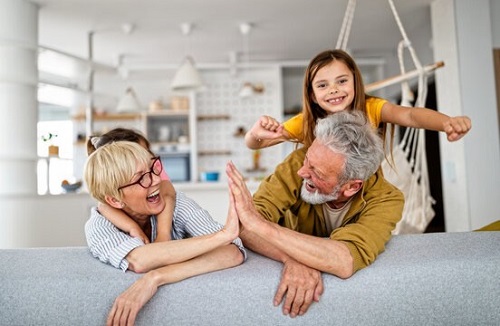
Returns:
(429, 279)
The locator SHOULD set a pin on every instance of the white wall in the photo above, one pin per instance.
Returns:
(463, 40)
(58, 220)
(495, 22)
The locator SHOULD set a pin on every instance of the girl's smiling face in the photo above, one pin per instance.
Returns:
(333, 87)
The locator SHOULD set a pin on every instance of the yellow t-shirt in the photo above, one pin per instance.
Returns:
(373, 111)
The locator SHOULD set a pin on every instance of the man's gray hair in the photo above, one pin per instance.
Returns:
(349, 133)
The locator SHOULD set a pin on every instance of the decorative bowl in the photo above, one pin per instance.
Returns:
(210, 176)
(71, 187)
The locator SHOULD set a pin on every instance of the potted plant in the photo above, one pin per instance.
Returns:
(53, 150)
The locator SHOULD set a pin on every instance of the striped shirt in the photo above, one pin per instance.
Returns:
(111, 245)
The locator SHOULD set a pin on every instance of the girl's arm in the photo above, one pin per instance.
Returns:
(122, 221)
(454, 127)
(164, 219)
(266, 132)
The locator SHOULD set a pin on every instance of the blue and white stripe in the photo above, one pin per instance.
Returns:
(111, 245)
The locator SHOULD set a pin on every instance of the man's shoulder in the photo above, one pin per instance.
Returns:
(378, 183)
(296, 156)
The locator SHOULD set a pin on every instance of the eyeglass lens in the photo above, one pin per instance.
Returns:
(147, 179)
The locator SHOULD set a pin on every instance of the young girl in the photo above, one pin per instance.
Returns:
(116, 216)
(333, 83)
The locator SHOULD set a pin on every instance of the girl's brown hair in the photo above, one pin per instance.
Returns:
(312, 111)
(117, 134)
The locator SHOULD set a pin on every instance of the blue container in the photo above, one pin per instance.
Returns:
(210, 176)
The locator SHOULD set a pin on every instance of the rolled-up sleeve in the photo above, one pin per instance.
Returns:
(108, 243)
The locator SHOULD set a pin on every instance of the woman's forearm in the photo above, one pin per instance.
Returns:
(155, 255)
(217, 259)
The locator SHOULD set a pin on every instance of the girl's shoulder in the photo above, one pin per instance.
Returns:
(375, 101)
(374, 109)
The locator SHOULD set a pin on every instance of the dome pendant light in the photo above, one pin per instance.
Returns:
(187, 77)
(129, 102)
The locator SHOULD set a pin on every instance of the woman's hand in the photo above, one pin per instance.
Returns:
(127, 305)
(232, 226)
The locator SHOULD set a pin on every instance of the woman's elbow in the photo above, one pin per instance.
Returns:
(137, 263)
(237, 256)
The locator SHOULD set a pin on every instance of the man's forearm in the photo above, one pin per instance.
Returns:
(258, 244)
(325, 255)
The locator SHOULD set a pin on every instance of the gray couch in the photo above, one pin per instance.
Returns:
(429, 279)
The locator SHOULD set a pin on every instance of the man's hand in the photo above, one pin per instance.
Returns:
(301, 284)
(241, 198)
(127, 305)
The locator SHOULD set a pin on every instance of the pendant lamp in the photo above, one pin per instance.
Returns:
(187, 77)
(129, 102)
(248, 89)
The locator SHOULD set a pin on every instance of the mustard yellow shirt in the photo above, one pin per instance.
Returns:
(373, 111)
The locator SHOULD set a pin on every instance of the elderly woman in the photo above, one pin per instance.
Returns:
(124, 175)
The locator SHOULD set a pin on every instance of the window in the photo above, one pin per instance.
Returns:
(53, 169)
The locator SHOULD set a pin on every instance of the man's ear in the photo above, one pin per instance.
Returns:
(352, 187)
(113, 202)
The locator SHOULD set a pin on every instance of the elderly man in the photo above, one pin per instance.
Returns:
(326, 208)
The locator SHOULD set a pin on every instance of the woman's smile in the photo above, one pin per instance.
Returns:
(154, 197)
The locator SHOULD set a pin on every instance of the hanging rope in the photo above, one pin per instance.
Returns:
(411, 174)
(345, 30)
(413, 178)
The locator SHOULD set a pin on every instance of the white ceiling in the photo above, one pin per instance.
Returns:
(283, 30)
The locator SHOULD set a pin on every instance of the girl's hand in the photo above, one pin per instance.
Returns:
(269, 123)
(266, 128)
(137, 232)
(457, 127)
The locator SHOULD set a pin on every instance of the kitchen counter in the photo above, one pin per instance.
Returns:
(58, 220)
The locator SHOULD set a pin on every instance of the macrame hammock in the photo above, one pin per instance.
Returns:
(407, 167)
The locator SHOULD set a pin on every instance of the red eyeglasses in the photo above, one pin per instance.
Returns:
(146, 179)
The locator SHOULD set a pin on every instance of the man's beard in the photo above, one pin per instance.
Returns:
(315, 198)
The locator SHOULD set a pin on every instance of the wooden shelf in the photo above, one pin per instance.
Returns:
(110, 116)
(168, 113)
(256, 170)
(213, 117)
(214, 152)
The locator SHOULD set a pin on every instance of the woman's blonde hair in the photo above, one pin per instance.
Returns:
(113, 165)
